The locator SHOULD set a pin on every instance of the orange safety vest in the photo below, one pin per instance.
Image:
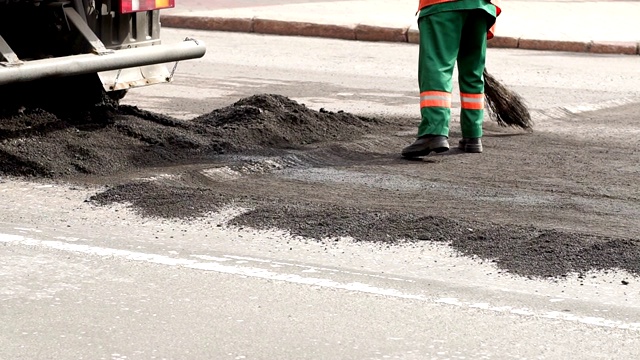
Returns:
(496, 3)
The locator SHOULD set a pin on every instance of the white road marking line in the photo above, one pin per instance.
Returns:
(575, 109)
(314, 268)
(247, 271)
(580, 108)
(28, 229)
(209, 258)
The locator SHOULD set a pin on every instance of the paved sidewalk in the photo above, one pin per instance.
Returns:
(606, 26)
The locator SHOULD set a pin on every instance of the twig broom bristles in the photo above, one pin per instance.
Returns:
(506, 107)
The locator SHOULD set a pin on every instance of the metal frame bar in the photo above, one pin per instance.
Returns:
(86, 32)
(8, 54)
(79, 5)
(92, 63)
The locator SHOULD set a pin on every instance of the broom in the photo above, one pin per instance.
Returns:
(506, 107)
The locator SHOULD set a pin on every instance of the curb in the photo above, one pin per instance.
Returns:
(363, 32)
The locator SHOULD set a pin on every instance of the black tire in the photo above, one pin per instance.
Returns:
(59, 95)
(117, 95)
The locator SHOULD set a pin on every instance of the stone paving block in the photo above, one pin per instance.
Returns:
(277, 27)
(553, 45)
(503, 42)
(614, 47)
(208, 23)
(379, 33)
(413, 36)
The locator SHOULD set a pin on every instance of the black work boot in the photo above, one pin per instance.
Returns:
(470, 145)
(426, 144)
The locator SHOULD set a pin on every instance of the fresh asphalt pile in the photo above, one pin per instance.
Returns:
(107, 139)
(107, 142)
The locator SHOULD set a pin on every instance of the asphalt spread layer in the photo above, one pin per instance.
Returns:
(522, 250)
(537, 205)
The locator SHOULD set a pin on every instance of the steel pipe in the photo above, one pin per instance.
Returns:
(93, 63)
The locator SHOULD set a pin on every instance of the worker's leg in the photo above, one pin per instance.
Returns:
(440, 35)
(471, 63)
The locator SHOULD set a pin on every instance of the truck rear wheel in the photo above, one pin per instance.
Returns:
(117, 95)
(60, 95)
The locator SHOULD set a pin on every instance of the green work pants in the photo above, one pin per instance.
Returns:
(446, 38)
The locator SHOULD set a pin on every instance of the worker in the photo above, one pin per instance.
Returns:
(452, 31)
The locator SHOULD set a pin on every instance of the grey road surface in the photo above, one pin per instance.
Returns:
(85, 282)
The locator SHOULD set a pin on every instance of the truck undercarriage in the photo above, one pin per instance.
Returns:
(72, 48)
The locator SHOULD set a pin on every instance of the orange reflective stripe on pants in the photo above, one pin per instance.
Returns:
(472, 101)
(435, 99)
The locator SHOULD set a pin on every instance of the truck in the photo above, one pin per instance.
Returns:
(63, 50)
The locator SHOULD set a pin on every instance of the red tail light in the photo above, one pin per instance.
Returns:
(129, 6)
